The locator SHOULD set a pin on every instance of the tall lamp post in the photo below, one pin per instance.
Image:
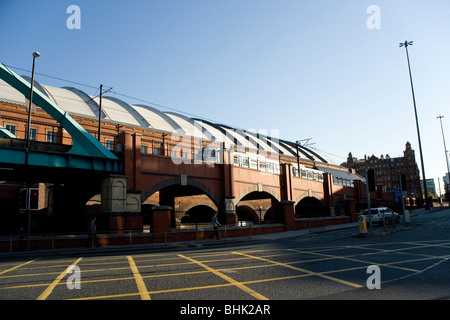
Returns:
(445, 148)
(27, 150)
(27, 136)
(100, 115)
(297, 145)
(425, 189)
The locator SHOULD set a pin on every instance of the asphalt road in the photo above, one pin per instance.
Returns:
(412, 263)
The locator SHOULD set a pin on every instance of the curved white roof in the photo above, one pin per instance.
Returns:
(189, 126)
(9, 94)
(72, 102)
(75, 101)
(157, 120)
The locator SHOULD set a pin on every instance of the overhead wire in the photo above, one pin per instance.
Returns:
(116, 93)
(110, 89)
(53, 77)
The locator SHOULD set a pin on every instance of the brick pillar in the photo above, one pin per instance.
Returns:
(161, 219)
(287, 214)
(359, 188)
(122, 209)
(350, 210)
(328, 188)
(231, 217)
(128, 147)
(286, 181)
(135, 220)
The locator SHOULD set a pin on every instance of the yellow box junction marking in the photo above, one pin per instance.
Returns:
(227, 278)
(139, 281)
(50, 288)
(354, 285)
(18, 266)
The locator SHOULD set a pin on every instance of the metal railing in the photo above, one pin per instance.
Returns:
(128, 238)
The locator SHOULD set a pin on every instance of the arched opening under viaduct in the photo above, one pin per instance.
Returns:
(256, 207)
(198, 215)
(191, 203)
(310, 207)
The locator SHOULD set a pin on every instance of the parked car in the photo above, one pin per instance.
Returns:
(378, 215)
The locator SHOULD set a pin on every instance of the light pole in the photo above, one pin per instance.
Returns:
(297, 145)
(27, 136)
(445, 148)
(100, 115)
(27, 150)
(425, 189)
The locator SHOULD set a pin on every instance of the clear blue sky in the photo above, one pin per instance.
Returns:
(309, 69)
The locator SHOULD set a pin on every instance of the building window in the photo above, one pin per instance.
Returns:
(33, 134)
(304, 174)
(236, 160)
(51, 136)
(143, 149)
(156, 150)
(11, 128)
(262, 165)
(109, 145)
(245, 162)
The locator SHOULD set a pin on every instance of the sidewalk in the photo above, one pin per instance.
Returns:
(114, 249)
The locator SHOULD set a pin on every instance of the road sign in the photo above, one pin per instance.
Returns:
(362, 224)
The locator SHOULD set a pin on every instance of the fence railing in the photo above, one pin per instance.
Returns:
(14, 243)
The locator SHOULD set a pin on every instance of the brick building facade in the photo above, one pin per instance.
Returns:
(192, 166)
(386, 171)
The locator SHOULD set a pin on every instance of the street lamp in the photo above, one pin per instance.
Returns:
(445, 148)
(406, 44)
(28, 132)
(27, 149)
(297, 145)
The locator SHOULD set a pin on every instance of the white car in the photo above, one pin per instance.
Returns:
(378, 215)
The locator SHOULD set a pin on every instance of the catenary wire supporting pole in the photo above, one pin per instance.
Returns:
(100, 114)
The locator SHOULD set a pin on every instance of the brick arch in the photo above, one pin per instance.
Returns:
(177, 181)
(252, 212)
(257, 189)
(307, 194)
(200, 203)
(248, 204)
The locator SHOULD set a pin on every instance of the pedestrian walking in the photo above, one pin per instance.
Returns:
(92, 234)
(215, 225)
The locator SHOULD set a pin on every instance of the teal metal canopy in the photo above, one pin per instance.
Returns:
(86, 151)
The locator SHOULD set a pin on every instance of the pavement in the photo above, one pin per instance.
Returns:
(114, 249)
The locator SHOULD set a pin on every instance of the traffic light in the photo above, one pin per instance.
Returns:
(34, 199)
(403, 179)
(23, 198)
(371, 180)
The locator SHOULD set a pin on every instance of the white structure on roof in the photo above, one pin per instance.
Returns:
(77, 102)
